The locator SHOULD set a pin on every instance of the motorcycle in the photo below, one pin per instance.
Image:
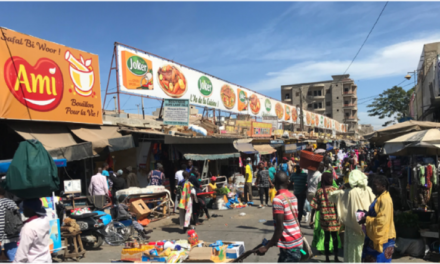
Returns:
(92, 228)
(92, 225)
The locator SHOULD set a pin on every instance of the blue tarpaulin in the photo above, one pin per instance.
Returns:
(4, 164)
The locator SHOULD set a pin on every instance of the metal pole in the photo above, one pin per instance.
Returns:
(109, 75)
(117, 80)
(143, 112)
(301, 109)
(114, 98)
(160, 111)
(138, 108)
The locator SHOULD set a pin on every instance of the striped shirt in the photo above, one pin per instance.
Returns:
(291, 237)
(5, 204)
(299, 182)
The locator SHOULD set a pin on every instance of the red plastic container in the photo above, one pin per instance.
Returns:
(193, 238)
(309, 160)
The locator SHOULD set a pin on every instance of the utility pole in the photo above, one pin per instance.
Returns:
(138, 108)
(301, 114)
(114, 99)
(143, 112)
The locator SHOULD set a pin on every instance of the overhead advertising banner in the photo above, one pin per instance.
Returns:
(42, 80)
(148, 75)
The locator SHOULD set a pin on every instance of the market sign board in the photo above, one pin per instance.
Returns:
(271, 120)
(176, 112)
(46, 81)
(144, 74)
(260, 129)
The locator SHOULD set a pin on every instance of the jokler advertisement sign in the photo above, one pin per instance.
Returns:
(145, 74)
(42, 80)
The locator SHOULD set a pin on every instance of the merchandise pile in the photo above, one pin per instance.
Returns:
(70, 226)
(184, 250)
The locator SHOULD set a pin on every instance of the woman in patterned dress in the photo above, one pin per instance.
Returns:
(379, 222)
(328, 219)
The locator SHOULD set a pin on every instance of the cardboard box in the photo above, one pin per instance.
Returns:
(208, 254)
(140, 209)
(235, 250)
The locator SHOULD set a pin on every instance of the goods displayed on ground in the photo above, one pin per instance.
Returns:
(183, 250)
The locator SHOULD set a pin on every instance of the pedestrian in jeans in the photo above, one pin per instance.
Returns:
(299, 181)
(8, 243)
(248, 184)
(263, 182)
(287, 235)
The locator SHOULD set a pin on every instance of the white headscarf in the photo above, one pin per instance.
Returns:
(357, 179)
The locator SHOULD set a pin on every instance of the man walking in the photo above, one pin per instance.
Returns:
(313, 179)
(98, 184)
(34, 236)
(287, 235)
(119, 183)
(248, 184)
(8, 243)
(299, 181)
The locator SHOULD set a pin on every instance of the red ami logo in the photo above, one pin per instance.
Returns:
(38, 87)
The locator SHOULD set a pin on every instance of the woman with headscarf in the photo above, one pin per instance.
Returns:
(379, 224)
(318, 232)
(356, 196)
(328, 220)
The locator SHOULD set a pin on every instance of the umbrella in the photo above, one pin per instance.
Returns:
(426, 142)
(319, 151)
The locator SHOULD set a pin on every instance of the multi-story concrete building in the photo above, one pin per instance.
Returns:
(425, 105)
(335, 98)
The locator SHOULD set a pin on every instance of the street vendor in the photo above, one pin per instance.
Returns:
(212, 186)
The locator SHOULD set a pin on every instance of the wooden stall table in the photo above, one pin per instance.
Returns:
(72, 244)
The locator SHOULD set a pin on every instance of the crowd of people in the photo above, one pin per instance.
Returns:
(347, 192)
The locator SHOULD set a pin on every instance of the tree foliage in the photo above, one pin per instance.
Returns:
(393, 102)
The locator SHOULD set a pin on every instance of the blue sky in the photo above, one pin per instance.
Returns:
(260, 46)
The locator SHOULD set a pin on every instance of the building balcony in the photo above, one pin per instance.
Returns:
(351, 106)
(316, 97)
(349, 94)
(287, 100)
(351, 119)
(319, 109)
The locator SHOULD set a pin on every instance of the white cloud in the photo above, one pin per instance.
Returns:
(391, 60)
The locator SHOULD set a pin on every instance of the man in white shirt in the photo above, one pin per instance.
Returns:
(98, 184)
(34, 236)
(313, 179)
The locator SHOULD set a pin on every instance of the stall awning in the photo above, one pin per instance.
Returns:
(208, 151)
(245, 146)
(264, 149)
(290, 148)
(103, 136)
(56, 139)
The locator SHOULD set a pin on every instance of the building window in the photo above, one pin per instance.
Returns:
(346, 102)
(310, 106)
(337, 110)
(309, 93)
(317, 93)
(346, 90)
(329, 91)
(297, 94)
(287, 96)
(347, 114)
(328, 103)
(337, 98)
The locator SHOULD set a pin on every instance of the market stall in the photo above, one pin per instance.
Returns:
(418, 187)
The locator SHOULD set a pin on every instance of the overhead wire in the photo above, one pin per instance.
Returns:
(366, 38)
